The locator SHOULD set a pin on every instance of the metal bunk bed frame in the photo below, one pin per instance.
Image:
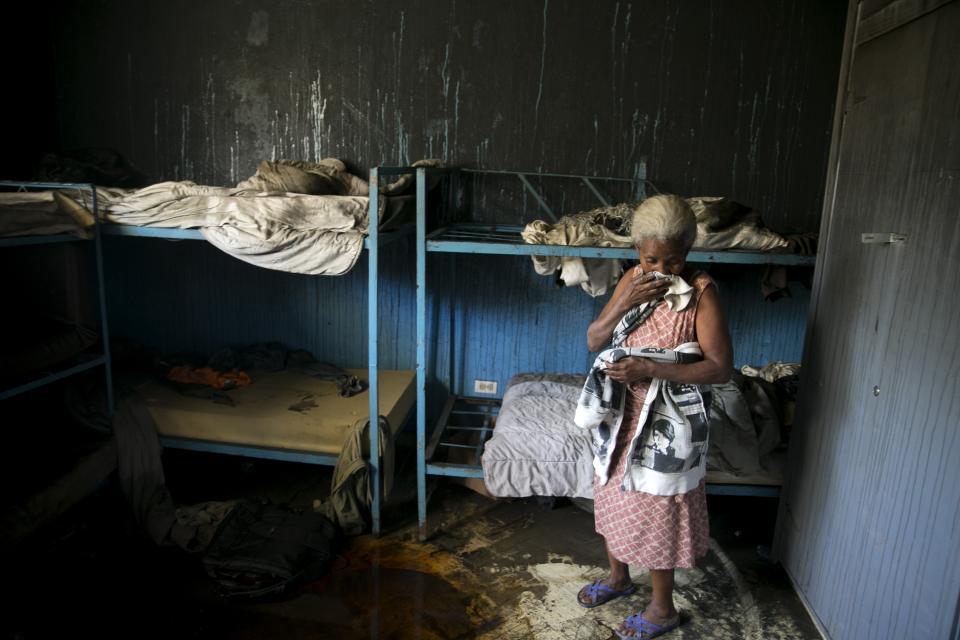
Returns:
(87, 363)
(372, 244)
(505, 240)
(374, 241)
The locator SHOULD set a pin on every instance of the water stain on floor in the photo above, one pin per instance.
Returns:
(499, 572)
(490, 570)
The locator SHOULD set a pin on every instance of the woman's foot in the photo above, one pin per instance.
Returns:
(652, 623)
(603, 591)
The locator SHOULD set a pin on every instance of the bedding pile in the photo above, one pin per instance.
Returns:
(301, 217)
(722, 224)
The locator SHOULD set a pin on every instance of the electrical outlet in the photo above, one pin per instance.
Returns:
(484, 386)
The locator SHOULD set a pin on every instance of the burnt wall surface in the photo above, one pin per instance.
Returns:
(722, 98)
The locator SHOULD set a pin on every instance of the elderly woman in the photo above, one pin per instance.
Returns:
(666, 323)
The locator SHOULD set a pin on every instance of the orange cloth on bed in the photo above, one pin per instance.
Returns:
(209, 377)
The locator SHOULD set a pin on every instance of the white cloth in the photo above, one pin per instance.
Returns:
(595, 276)
(681, 408)
(300, 233)
(661, 465)
(679, 294)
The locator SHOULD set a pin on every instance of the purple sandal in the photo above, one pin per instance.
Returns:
(600, 593)
(643, 629)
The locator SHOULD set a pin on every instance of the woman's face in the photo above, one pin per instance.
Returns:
(668, 257)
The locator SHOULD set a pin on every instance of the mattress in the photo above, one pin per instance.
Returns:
(283, 410)
(536, 449)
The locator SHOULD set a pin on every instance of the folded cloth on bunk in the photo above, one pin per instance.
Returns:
(43, 213)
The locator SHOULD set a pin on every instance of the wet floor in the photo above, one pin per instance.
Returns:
(489, 570)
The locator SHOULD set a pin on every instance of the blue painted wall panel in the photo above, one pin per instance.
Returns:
(189, 296)
(511, 320)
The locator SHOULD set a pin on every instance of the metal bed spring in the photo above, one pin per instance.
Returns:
(464, 416)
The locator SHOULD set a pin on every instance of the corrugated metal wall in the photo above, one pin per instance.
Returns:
(188, 296)
(728, 98)
(869, 526)
(504, 325)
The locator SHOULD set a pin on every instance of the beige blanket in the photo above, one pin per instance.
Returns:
(722, 224)
(290, 216)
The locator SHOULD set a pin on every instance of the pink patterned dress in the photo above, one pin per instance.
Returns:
(642, 529)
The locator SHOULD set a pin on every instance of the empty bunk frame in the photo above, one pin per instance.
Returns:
(91, 467)
(71, 368)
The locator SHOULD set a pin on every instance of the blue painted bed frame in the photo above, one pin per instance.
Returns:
(18, 241)
(505, 240)
(372, 244)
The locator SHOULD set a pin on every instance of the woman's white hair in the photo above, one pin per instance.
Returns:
(664, 218)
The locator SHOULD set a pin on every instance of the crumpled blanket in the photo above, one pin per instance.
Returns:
(299, 233)
(722, 224)
(601, 227)
(291, 216)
